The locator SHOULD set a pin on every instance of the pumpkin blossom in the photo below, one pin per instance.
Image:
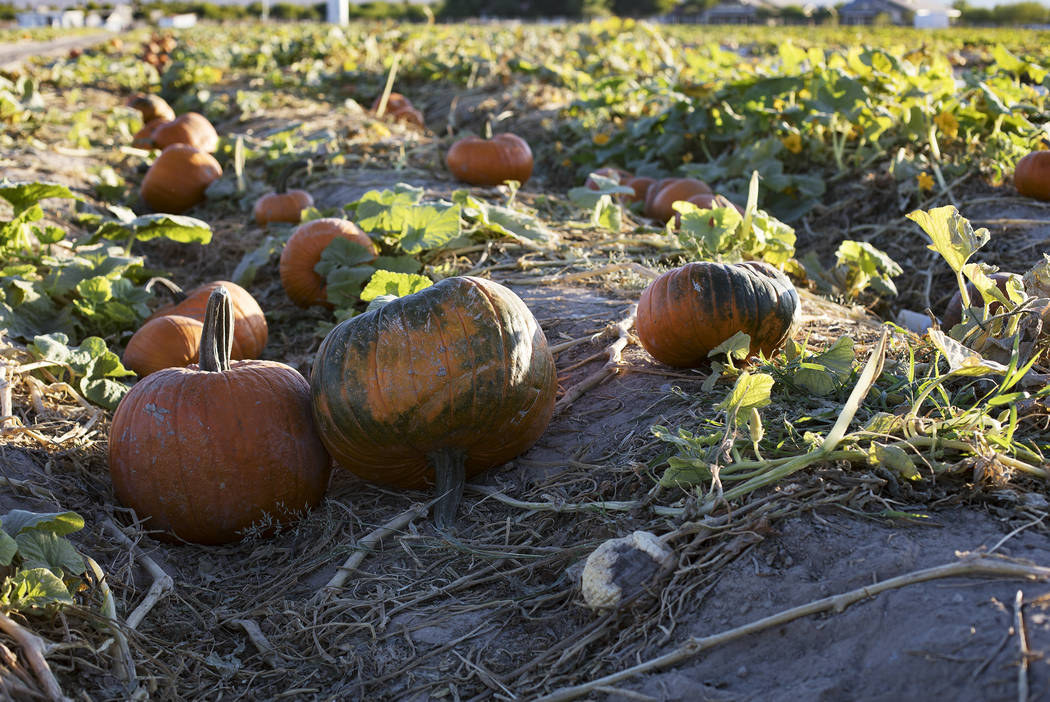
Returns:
(792, 142)
(601, 139)
(947, 123)
(925, 181)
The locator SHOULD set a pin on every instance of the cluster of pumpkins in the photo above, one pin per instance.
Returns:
(157, 51)
(426, 389)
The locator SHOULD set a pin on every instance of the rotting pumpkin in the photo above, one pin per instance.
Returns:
(204, 452)
(434, 387)
(688, 311)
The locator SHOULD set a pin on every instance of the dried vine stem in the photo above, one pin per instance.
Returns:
(365, 545)
(259, 640)
(35, 650)
(123, 663)
(162, 582)
(610, 369)
(967, 565)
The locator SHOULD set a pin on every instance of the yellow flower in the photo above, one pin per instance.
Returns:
(566, 163)
(947, 123)
(558, 146)
(925, 181)
(779, 104)
(687, 157)
(601, 139)
(792, 142)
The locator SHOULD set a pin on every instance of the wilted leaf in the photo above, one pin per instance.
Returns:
(951, 234)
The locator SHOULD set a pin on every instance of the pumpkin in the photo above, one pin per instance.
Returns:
(953, 312)
(1032, 175)
(490, 161)
(301, 282)
(143, 138)
(690, 310)
(664, 193)
(165, 342)
(178, 178)
(434, 387)
(152, 107)
(206, 451)
(640, 184)
(190, 128)
(251, 331)
(282, 206)
(399, 108)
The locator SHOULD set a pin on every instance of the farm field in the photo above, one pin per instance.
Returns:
(867, 446)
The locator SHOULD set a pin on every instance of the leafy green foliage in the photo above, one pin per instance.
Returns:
(45, 566)
(385, 282)
(721, 234)
(93, 368)
(858, 266)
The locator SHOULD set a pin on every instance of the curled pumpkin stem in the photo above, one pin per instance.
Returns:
(450, 475)
(217, 335)
(287, 171)
(170, 287)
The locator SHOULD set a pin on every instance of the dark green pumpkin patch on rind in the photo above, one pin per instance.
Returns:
(460, 365)
(690, 310)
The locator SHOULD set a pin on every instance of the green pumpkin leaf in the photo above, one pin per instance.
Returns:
(8, 548)
(185, 230)
(737, 347)
(391, 283)
(750, 390)
(425, 228)
(345, 285)
(383, 210)
(342, 253)
(22, 195)
(19, 520)
(46, 549)
(826, 372)
(893, 457)
(963, 360)
(951, 234)
(398, 264)
(35, 588)
(260, 257)
(685, 472)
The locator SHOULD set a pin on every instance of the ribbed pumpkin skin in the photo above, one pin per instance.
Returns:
(1032, 175)
(143, 138)
(690, 310)
(462, 364)
(204, 455)
(303, 251)
(282, 207)
(490, 161)
(178, 178)
(250, 331)
(191, 128)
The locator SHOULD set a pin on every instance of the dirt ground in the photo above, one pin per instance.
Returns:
(492, 610)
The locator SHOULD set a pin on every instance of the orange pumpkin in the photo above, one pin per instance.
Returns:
(662, 194)
(690, 310)
(202, 453)
(285, 206)
(251, 331)
(152, 107)
(178, 178)
(301, 282)
(191, 128)
(434, 387)
(143, 138)
(640, 185)
(1032, 175)
(165, 342)
(490, 161)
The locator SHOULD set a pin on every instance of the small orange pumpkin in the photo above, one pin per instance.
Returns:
(284, 205)
(304, 286)
(152, 107)
(1032, 175)
(191, 128)
(204, 452)
(640, 185)
(492, 161)
(251, 331)
(690, 310)
(662, 194)
(143, 138)
(178, 178)
(165, 342)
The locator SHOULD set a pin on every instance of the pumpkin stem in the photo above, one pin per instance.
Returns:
(177, 295)
(286, 173)
(217, 335)
(450, 475)
(487, 130)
